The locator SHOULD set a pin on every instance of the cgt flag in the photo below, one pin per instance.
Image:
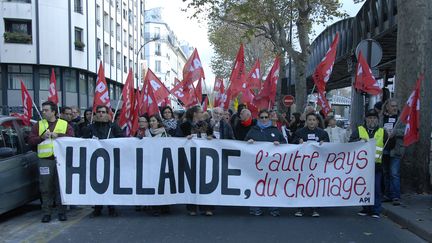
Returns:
(364, 79)
(411, 115)
(53, 96)
(193, 69)
(159, 90)
(254, 76)
(27, 105)
(266, 97)
(323, 71)
(219, 93)
(127, 109)
(101, 96)
(323, 102)
(238, 76)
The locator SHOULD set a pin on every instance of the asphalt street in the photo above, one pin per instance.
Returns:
(229, 224)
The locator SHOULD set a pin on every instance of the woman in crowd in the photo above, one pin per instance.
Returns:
(264, 131)
(336, 134)
(194, 125)
(156, 129)
(168, 120)
(295, 122)
(143, 126)
(311, 133)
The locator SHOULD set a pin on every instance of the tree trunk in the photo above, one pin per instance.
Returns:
(414, 56)
(300, 84)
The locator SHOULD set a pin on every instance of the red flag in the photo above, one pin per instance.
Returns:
(193, 70)
(323, 71)
(185, 93)
(136, 110)
(159, 90)
(219, 93)
(52, 96)
(127, 104)
(254, 76)
(411, 115)
(238, 76)
(149, 104)
(323, 102)
(198, 91)
(27, 105)
(266, 97)
(101, 96)
(364, 79)
(205, 104)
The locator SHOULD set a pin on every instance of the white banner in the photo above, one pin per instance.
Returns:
(160, 171)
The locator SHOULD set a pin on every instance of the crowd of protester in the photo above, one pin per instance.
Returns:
(269, 125)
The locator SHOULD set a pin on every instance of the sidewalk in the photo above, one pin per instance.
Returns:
(415, 214)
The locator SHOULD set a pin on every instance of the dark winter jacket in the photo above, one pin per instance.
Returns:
(225, 130)
(269, 134)
(100, 130)
(240, 131)
(306, 134)
(187, 128)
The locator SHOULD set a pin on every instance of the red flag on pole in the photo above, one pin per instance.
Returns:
(411, 115)
(198, 91)
(136, 111)
(101, 96)
(185, 93)
(193, 70)
(266, 97)
(364, 79)
(323, 71)
(27, 106)
(159, 90)
(219, 93)
(238, 76)
(52, 96)
(149, 104)
(254, 76)
(323, 102)
(126, 118)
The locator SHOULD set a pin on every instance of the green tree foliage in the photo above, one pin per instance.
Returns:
(272, 19)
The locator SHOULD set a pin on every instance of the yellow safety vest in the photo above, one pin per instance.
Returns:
(379, 138)
(46, 148)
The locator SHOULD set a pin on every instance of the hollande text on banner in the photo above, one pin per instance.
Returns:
(160, 171)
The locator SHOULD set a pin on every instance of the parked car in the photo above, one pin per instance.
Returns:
(19, 176)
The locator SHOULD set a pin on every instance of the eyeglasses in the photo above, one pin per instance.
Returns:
(103, 112)
(264, 117)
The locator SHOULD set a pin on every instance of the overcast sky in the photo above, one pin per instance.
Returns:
(196, 33)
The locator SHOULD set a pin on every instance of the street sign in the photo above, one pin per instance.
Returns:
(371, 51)
(288, 100)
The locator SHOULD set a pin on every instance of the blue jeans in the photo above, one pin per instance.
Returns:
(376, 208)
(392, 178)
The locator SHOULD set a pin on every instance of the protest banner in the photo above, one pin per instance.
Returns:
(160, 171)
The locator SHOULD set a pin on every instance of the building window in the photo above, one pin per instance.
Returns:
(106, 23)
(79, 43)
(91, 85)
(82, 83)
(45, 75)
(158, 49)
(70, 79)
(130, 63)
(157, 33)
(124, 64)
(18, 31)
(111, 90)
(118, 32)
(78, 6)
(106, 53)
(99, 49)
(98, 11)
(16, 73)
(112, 26)
(158, 66)
(112, 56)
(124, 11)
(124, 38)
(118, 60)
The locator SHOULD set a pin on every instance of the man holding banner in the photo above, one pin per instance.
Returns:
(365, 132)
(43, 135)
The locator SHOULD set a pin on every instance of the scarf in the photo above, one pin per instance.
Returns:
(170, 124)
(247, 123)
(157, 132)
(263, 125)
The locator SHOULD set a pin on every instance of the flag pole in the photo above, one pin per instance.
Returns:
(388, 136)
(115, 112)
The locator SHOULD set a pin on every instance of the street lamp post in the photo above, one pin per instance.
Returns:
(138, 52)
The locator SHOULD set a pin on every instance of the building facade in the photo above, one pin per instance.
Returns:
(73, 37)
